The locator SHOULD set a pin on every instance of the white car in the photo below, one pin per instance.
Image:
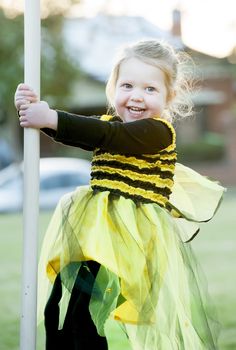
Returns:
(57, 177)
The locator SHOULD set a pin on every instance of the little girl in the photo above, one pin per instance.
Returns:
(119, 248)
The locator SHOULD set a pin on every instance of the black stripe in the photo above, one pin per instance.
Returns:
(136, 198)
(154, 159)
(100, 175)
(164, 174)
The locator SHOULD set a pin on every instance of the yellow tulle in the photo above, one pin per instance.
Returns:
(141, 247)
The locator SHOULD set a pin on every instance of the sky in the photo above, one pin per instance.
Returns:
(207, 25)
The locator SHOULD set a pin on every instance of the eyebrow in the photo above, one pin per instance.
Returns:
(153, 82)
(125, 80)
(130, 81)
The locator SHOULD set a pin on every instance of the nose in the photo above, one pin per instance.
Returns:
(136, 96)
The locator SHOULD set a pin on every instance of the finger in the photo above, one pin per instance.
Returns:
(24, 124)
(23, 86)
(24, 106)
(25, 94)
(32, 99)
(18, 104)
(21, 113)
(23, 119)
(21, 102)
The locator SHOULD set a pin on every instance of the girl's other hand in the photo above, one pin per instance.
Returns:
(38, 115)
(24, 94)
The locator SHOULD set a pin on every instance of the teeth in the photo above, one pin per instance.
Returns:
(136, 109)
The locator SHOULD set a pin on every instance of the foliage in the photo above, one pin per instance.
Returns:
(11, 58)
(13, 8)
(58, 70)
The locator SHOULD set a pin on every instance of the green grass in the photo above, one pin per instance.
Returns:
(215, 248)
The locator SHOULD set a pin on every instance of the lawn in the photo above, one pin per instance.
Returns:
(215, 248)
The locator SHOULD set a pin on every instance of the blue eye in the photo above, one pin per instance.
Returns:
(127, 86)
(150, 89)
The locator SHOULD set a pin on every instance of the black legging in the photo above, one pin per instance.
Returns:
(79, 331)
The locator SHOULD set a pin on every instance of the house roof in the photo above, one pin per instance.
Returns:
(95, 41)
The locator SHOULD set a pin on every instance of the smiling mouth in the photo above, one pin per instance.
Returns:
(136, 110)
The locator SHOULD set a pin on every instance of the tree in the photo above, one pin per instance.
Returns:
(59, 70)
(11, 58)
(14, 8)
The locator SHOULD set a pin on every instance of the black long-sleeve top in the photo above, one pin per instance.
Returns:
(138, 137)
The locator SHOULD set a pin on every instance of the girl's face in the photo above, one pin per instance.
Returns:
(140, 91)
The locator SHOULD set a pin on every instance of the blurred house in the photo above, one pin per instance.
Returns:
(210, 137)
(214, 128)
(95, 42)
(207, 140)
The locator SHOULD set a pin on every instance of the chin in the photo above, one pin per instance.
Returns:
(132, 118)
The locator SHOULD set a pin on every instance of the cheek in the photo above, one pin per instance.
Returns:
(162, 101)
(156, 103)
(116, 103)
(119, 100)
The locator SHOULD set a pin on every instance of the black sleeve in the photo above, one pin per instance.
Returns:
(142, 136)
(52, 133)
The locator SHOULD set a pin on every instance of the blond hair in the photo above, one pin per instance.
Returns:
(177, 67)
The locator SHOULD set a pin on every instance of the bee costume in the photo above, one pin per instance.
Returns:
(123, 241)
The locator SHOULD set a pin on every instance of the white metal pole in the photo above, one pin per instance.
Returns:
(31, 183)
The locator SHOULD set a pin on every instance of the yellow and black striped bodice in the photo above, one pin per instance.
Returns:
(144, 178)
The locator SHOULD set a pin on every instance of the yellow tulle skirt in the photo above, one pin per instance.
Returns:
(149, 280)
